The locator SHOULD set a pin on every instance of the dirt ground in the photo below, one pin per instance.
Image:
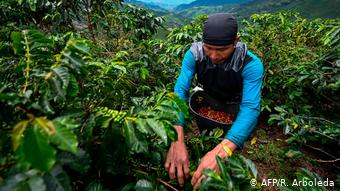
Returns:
(275, 158)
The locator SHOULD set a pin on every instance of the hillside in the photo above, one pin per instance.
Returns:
(150, 6)
(199, 3)
(200, 10)
(308, 8)
(172, 19)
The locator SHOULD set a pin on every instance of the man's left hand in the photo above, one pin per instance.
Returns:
(209, 161)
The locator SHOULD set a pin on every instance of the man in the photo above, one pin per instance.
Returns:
(228, 72)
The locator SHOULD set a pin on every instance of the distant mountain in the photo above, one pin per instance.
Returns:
(308, 8)
(199, 3)
(151, 6)
(172, 19)
(207, 10)
(168, 2)
(157, 4)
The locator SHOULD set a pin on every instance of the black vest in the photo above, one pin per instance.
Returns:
(222, 81)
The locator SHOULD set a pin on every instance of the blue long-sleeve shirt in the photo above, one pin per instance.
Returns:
(246, 119)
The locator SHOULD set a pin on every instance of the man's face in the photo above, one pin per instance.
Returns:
(218, 54)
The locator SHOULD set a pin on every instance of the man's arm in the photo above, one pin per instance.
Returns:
(250, 105)
(177, 160)
(184, 80)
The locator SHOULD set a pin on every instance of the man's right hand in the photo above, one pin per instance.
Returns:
(178, 159)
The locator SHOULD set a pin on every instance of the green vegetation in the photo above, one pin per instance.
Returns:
(86, 99)
(211, 3)
(302, 56)
(311, 9)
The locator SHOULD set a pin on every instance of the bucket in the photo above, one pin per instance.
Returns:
(201, 99)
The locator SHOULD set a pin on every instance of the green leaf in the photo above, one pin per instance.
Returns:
(224, 172)
(11, 98)
(56, 86)
(36, 151)
(80, 45)
(45, 124)
(218, 133)
(142, 126)
(68, 121)
(106, 123)
(181, 105)
(144, 185)
(32, 4)
(119, 67)
(64, 137)
(37, 37)
(33, 45)
(63, 74)
(144, 73)
(114, 154)
(209, 183)
(128, 187)
(95, 186)
(137, 144)
(293, 154)
(17, 43)
(80, 162)
(213, 175)
(39, 45)
(46, 106)
(170, 131)
(280, 109)
(89, 126)
(57, 180)
(158, 128)
(18, 131)
(24, 181)
(250, 165)
(37, 183)
(73, 60)
(73, 88)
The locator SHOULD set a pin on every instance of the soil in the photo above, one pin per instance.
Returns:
(269, 153)
(280, 167)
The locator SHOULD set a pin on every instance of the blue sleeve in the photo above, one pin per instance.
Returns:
(250, 105)
(184, 80)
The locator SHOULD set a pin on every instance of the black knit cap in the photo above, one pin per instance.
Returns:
(220, 29)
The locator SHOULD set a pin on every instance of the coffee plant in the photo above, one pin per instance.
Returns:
(301, 83)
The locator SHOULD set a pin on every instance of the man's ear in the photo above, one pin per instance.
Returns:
(237, 39)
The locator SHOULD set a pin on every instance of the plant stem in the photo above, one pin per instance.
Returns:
(28, 62)
(321, 119)
(318, 149)
(319, 160)
(167, 184)
(329, 137)
(158, 179)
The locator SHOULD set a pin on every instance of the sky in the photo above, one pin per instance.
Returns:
(172, 2)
